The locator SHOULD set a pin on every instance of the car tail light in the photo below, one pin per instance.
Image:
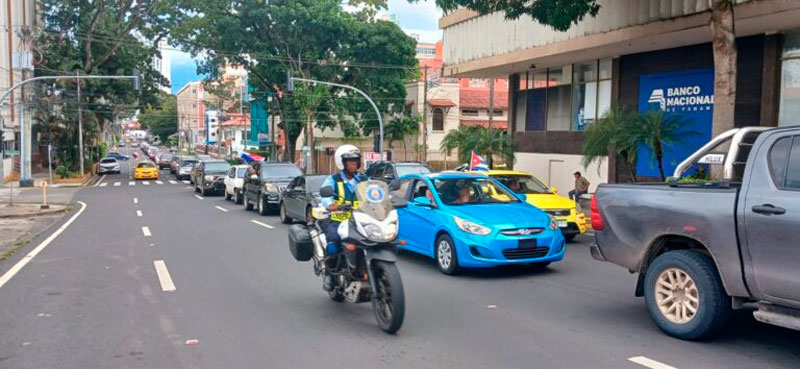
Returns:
(597, 219)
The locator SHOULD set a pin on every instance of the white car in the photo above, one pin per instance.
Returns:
(234, 182)
(108, 165)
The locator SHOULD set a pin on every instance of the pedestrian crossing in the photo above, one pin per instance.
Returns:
(141, 183)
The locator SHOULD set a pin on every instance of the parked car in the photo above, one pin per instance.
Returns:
(388, 171)
(135, 144)
(204, 157)
(209, 176)
(118, 156)
(299, 197)
(121, 143)
(234, 183)
(704, 248)
(108, 165)
(538, 194)
(264, 183)
(151, 153)
(184, 171)
(466, 220)
(164, 159)
(145, 170)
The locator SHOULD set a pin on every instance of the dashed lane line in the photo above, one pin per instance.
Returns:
(649, 363)
(103, 184)
(117, 184)
(139, 213)
(163, 276)
(265, 225)
(135, 200)
(199, 197)
(220, 208)
(25, 260)
(159, 182)
(146, 231)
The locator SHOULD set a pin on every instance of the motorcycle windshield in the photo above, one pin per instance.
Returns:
(374, 199)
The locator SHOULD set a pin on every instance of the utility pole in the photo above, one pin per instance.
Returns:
(425, 116)
(491, 116)
(80, 126)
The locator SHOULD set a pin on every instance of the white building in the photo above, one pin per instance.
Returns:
(162, 65)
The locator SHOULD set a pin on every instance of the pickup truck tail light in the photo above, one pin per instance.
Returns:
(597, 219)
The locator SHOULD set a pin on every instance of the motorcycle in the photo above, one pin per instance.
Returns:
(366, 269)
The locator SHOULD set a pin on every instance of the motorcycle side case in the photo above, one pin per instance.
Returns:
(300, 242)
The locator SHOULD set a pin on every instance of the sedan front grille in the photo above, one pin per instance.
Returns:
(525, 253)
(522, 231)
(558, 212)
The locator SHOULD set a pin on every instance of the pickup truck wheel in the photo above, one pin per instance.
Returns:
(685, 296)
(262, 205)
(237, 196)
(282, 213)
(247, 204)
(445, 253)
(569, 237)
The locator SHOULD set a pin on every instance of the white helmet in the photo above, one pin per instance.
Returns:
(345, 152)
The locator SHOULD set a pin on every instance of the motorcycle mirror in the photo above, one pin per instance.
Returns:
(326, 191)
(399, 202)
(394, 185)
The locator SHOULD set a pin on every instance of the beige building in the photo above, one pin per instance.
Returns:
(631, 52)
(192, 101)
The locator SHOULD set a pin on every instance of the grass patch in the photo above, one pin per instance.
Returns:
(18, 244)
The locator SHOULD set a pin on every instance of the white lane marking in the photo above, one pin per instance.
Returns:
(146, 183)
(25, 260)
(159, 182)
(103, 184)
(172, 182)
(135, 200)
(100, 181)
(163, 276)
(650, 363)
(221, 209)
(185, 181)
(146, 231)
(138, 213)
(116, 184)
(265, 225)
(199, 197)
(131, 183)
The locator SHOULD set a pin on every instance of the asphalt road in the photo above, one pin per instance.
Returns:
(93, 299)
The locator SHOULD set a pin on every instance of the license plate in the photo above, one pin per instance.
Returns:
(562, 224)
(527, 243)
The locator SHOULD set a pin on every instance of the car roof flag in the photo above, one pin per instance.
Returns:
(477, 162)
(248, 157)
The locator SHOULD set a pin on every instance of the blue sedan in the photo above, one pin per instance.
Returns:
(472, 220)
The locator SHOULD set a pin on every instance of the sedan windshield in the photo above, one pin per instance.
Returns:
(146, 164)
(217, 166)
(411, 169)
(470, 191)
(527, 185)
(108, 161)
(287, 170)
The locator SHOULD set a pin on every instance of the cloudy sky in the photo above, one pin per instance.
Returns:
(419, 18)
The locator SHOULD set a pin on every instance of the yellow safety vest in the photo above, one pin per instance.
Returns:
(341, 216)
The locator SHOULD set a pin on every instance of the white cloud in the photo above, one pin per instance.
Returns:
(425, 35)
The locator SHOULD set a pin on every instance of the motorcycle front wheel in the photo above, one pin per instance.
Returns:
(390, 308)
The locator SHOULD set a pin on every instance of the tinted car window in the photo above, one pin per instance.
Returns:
(793, 166)
(145, 164)
(217, 166)
(108, 160)
(777, 160)
(377, 170)
(313, 183)
(411, 169)
(287, 170)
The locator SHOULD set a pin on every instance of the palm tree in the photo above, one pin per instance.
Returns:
(400, 128)
(659, 132)
(612, 134)
(483, 140)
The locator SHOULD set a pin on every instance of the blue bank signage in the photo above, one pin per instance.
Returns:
(686, 93)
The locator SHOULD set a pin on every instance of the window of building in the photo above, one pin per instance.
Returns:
(478, 82)
(438, 119)
(469, 112)
(789, 108)
(497, 112)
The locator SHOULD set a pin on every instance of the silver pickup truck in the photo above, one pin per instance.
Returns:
(703, 248)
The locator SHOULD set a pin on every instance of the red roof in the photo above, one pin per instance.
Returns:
(500, 124)
(236, 119)
(445, 103)
(479, 99)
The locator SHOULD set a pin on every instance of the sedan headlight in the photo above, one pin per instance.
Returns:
(209, 178)
(553, 223)
(471, 227)
(271, 187)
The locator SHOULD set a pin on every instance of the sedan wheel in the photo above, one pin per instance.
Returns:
(262, 206)
(282, 213)
(446, 258)
(237, 196)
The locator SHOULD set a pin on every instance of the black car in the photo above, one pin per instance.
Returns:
(118, 156)
(264, 183)
(209, 176)
(388, 171)
(299, 197)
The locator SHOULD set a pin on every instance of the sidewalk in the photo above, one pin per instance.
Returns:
(22, 222)
(56, 194)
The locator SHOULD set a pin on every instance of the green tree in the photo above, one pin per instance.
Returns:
(612, 134)
(487, 142)
(312, 39)
(559, 14)
(162, 120)
(400, 128)
(659, 132)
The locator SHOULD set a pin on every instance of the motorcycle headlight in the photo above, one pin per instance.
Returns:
(271, 187)
(471, 227)
(376, 233)
(209, 178)
(553, 223)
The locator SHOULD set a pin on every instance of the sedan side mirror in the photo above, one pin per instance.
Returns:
(326, 191)
(423, 201)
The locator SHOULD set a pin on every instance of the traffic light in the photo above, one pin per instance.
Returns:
(137, 84)
(376, 143)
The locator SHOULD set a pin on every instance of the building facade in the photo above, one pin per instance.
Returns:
(162, 64)
(642, 54)
(192, 101)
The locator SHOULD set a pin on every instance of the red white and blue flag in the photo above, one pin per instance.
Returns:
(477, 162)
(248, 157)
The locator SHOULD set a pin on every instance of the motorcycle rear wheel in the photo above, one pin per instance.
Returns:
(390, 308)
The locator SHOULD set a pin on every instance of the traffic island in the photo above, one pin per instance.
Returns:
(23, 222)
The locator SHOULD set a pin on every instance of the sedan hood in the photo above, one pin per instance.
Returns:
(548, 201)
(521, 214)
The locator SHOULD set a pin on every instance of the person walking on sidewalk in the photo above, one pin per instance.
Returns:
(581, 187)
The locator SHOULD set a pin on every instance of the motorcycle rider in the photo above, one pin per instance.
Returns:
(343, 182)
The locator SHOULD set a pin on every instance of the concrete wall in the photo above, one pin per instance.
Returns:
(556, 170)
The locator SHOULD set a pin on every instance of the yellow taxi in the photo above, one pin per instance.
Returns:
(145, 170)
(543, 197)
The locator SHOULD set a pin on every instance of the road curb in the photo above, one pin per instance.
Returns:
(42, 212)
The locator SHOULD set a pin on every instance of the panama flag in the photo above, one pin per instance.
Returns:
(248, 157)
(477, 162)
